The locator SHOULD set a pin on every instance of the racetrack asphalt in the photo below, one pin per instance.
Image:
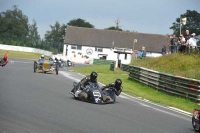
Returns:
(41, 103)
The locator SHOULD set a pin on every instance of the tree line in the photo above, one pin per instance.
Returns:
(15, 29)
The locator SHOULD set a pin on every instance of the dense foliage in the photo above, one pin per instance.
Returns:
(192, 23)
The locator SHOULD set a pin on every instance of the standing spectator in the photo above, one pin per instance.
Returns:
(187, 35)
(141, 54)
(191, 44)
(181, 43)
(163, 50)
(194, 38)
(144, 53)
(174, 43)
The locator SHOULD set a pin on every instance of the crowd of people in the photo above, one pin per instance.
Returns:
(183, 43)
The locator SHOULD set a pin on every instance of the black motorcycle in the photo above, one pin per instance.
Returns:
(94, 94)
(195, 120)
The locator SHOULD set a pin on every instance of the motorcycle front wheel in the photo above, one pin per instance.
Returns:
(195, 124)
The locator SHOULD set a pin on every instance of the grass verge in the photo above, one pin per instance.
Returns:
(19, 54)
(130, 87)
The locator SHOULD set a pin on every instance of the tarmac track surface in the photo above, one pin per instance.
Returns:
(40, 103)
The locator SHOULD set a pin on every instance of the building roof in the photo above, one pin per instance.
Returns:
(105, 38)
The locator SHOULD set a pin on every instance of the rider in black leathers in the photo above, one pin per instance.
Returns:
(85, 81)
(116, 85)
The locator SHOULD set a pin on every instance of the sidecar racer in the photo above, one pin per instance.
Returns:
(44, 65)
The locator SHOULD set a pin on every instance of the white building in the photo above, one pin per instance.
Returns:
(82, 45)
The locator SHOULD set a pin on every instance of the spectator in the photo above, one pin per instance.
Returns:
(163, 50)
(174, 43)
(187, 35)
(136, 54)
(195, 39)
(141, 54)
(181, 43)
(144, 53)
(191, 43)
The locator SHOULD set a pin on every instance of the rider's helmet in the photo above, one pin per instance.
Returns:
(118, 83)
(93, 76)
(42, 56)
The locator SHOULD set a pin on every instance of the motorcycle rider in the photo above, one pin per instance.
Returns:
(41, 59)
(116, 85)
(85, 81)
(5, 59)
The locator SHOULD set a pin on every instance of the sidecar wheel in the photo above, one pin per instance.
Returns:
(34, 67)
(56, 69)
(195, 124)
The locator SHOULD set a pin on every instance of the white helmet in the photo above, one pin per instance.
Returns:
(42, 56)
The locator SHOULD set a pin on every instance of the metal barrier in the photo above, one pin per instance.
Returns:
(102, 62)
(125, 67)
(173, 85)
(175, 49)
(112, 66)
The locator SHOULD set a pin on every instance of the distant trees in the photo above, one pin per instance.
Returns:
(80, 23)
(192, 23)
(55, 37)
(14, 27)
(33, 36)
(16, 30)
(115, 27)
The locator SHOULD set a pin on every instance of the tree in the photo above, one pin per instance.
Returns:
(192, 24)
(80, 23)
(115, 27)
(13, 27)
(55, 36)
(33, 36)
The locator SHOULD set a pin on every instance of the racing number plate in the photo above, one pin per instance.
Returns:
(97, 93)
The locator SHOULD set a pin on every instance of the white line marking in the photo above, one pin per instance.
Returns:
(22, 62)
(172, 109)
(123, 97)
(144, 105)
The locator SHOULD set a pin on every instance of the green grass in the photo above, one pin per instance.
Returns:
(18, 54)
(130, 87)
(186, 65)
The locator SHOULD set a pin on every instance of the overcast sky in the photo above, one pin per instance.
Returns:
(146, 16)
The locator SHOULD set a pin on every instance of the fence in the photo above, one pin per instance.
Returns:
(173, 85)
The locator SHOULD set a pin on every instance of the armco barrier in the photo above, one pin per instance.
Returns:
(125, 67)
(173, 85)
(102, 62)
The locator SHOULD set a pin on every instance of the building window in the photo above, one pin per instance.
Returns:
(73, 47)
(77, 47)
(98, 49)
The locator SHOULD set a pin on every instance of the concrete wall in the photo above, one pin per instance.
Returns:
(25, 49)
